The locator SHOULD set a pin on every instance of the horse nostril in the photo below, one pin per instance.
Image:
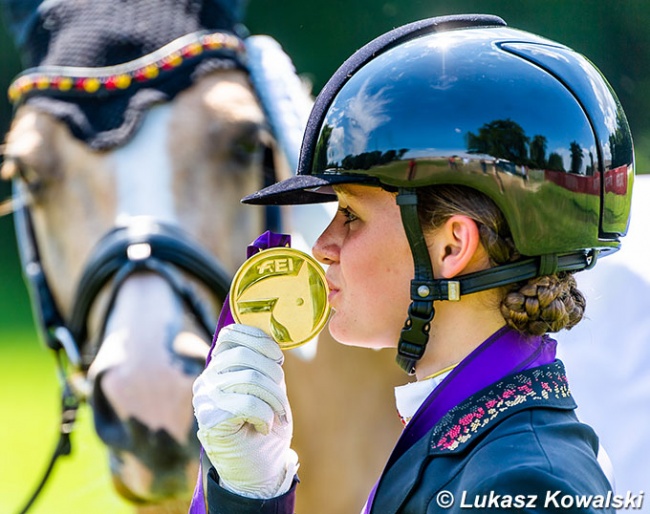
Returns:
(108, 425)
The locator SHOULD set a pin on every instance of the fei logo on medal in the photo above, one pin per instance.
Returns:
(283, 292)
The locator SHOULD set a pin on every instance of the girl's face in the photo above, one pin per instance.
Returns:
(370, 267)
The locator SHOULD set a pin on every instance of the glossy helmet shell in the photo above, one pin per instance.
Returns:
(466, 100)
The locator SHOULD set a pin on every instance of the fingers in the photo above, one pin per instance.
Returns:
(252, 383)
(211, 391)
(231, 412)
(249, 337)
(238, 358)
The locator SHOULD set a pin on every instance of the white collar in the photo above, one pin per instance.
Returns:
(409, 397)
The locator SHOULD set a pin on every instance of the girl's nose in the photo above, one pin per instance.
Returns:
(326, 249)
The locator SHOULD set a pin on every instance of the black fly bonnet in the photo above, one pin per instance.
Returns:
(98, 66)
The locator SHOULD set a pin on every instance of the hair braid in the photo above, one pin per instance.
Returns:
(544, 304)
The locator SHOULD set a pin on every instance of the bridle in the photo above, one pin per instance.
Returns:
(143, 244)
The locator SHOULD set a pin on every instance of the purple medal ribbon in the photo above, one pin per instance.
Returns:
(267, 240)
(503, 353)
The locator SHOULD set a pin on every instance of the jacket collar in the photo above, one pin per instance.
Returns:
(545, 386)
(464, 425)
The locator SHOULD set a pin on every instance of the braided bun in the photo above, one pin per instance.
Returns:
(544, 304)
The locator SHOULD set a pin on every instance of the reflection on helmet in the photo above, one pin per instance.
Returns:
(527, 121)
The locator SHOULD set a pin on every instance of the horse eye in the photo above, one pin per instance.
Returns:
(247, 146)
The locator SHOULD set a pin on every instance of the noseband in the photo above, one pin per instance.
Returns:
(145, 244)
(142, 244)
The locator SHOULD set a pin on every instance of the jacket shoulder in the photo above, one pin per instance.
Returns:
(549, 448)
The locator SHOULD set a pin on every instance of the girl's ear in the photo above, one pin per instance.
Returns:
(455, 247)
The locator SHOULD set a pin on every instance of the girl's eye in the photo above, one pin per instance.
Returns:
(349, 215)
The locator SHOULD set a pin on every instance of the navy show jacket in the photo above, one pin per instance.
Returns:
(515, 446)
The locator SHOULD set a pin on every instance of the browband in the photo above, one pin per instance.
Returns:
(84, 81)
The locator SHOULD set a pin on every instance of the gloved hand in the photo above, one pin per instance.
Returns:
(245, 424)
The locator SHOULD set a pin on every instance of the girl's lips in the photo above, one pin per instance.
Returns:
(333, 290)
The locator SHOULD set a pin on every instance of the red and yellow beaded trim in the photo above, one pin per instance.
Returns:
(114, 78)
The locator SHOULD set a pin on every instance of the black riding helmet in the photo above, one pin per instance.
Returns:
(466, 100)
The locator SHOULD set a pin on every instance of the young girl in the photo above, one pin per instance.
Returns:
(476, 168)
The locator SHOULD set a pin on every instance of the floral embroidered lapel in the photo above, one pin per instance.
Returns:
(545, 386)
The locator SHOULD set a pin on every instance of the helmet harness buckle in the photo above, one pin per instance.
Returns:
(415, 334)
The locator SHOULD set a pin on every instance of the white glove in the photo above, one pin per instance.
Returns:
(241, 405)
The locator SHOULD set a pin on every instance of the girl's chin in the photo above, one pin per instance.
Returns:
(345, 337)
(372, 345)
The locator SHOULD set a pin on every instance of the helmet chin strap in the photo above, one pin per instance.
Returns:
(415, 334)
(425, 289)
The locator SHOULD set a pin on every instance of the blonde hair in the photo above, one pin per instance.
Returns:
(540, 305)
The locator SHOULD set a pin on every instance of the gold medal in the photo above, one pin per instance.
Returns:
(283, 292)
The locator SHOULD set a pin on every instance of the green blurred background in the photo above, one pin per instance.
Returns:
(319, 36)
